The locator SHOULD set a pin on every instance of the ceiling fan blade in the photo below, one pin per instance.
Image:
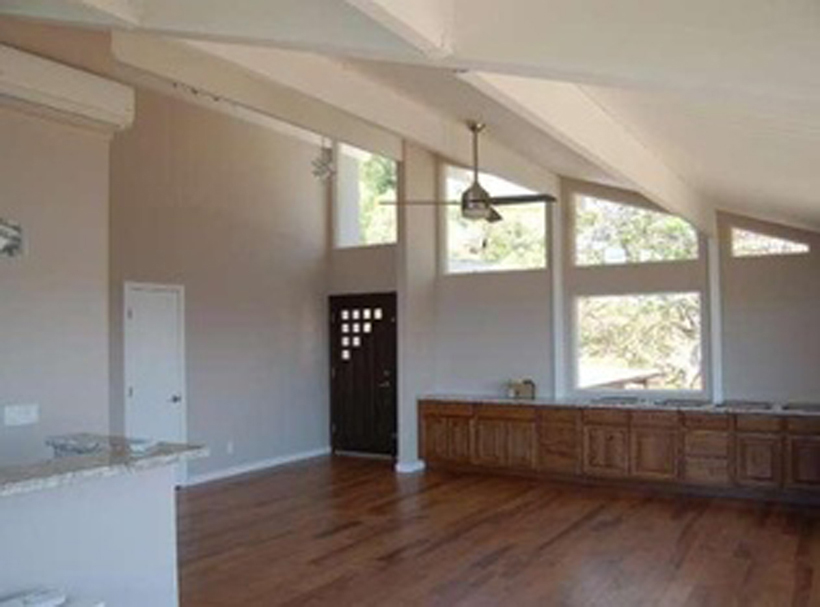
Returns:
(434, 203)
(521, 199)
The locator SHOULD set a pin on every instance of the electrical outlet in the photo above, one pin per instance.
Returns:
(21, 415)
(229, 447)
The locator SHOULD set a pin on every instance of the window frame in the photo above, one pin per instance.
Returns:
(444, 230)
(645, 278)
(335, 200)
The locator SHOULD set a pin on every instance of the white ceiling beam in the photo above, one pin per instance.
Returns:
(567, 113)
(116, 13)
(426, 24)
(348, 89)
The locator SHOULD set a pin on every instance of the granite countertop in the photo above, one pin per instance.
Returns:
(640, 405)
(87, 456)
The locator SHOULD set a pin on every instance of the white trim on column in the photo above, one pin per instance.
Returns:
(715, 317)
(413, 467)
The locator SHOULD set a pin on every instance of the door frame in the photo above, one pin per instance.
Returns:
(130, 287)
(333, 350)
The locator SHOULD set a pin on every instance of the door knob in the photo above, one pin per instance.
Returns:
(176, 398)
(385, 384)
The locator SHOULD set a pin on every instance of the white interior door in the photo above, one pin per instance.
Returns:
(155, 400)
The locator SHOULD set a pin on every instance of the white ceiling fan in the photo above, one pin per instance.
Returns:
(476, 202)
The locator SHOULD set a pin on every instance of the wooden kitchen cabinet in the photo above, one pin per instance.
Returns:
(606, 451)
(505, 437)
(758, 460)
(803, 462)
(490, 442)
(559, 441)
(763, 453)
(654, 453)
(446, 433)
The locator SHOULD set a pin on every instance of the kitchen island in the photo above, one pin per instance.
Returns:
(745, 449)
(93, 516)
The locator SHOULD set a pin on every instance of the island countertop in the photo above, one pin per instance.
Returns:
(673, 404)
(79, 457)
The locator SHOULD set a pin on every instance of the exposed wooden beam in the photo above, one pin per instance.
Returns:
(567, 113)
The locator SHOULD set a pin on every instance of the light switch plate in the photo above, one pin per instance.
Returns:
(21, 415)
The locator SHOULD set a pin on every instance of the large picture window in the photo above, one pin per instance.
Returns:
(640, 342)
(633, 327)
(364, 181)
(612, 233)
(518, 242)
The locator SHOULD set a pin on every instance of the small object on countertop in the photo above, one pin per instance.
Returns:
(36, 598)
(524, 389)
(141, 445)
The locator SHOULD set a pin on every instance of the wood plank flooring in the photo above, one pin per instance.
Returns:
(341, 532)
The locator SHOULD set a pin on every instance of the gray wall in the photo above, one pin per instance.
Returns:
(231, 211)
(491, 328)
(54, 300)
(771, 318)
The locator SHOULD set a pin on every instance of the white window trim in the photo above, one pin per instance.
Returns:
(334, 200)
(444, 232)
(566, 336)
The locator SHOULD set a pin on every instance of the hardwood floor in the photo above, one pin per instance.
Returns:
(350, 532)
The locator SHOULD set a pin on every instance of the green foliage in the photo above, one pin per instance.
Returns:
(378, 181)
(648, 332)
(608, 232)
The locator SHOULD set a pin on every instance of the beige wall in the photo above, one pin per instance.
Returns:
(54, 299)
(771, 318)
(231, 211)
(492, 328)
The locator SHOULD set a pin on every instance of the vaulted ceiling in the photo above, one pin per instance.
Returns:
(698, 105)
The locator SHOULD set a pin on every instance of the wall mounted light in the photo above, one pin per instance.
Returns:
(11, 239)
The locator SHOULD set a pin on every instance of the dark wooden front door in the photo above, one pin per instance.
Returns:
(363, 373)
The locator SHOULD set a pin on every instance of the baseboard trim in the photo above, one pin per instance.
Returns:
(216, 475)
(410, 467)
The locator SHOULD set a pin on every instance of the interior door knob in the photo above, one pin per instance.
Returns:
(176, 398)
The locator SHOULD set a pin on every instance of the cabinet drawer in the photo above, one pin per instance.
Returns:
(453, 409)
(655, 419)
(559, 416)
(706, 443)
(706, 471)
(606, 416)
(758, 423)
(505, 412)
(803, 425)
(706, 421)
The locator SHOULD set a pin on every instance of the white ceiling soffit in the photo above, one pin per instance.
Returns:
(754, 155)
(442, 90)
(567, 113)
(112, 13)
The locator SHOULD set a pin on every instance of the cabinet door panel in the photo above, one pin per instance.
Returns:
(460, 440)
(434, 438)
(490, 442)
(758, 460)
(706, 443)
(558, 448)
(654, 453)
(804, 462)
(521, 444)
(606, 451)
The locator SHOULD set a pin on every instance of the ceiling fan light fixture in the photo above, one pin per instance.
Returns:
(474, 203)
